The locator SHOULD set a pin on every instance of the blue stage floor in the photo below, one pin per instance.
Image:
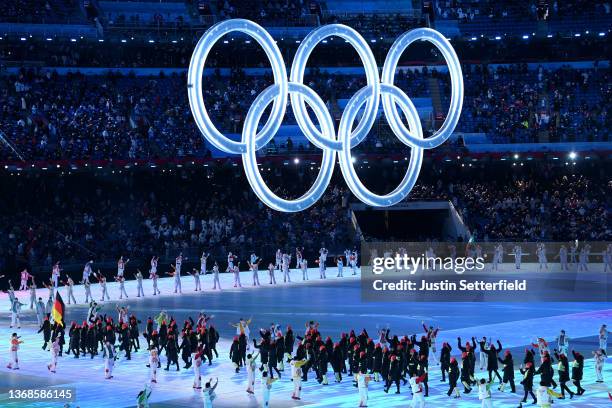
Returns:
(337, 306)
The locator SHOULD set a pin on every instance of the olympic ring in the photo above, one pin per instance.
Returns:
(325, 138)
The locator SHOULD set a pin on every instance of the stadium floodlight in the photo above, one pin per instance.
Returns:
(379, 88)
(573, 155)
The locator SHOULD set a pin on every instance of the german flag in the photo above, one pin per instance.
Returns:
(58, 310)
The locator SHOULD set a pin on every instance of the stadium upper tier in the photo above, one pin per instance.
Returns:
(177, 18)
(45, 116)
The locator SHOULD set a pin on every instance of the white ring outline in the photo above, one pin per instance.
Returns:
(196, 70)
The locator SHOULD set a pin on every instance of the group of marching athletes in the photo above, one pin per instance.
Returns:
(390, 359)
(282, 265)
(571, 256)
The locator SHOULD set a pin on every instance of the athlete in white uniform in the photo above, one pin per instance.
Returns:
(196, 358)
(416, 385)
(216, 281)
(340, 265)
(14, 348)
(298, 257)
(88, 295)
(139, 288)
(542, 261)
(122, 291)
(563, 258)
(55, 274)
(251, 365)
(322, 258)
(353, 261)
(32, 289)
(121, 266)
(279, 258)
(363, 380)
(69, 289)
(296, 376)
(87, 271)
(55, 349)
(102, 280)
(603, 338)
(109, 359)
(15, 313)
(498, 257)
(563, 343)
(304, 268)
(230, 261)
(153, 275)
(286, 260)
(254, 266)
(583, 258)
(177, 274)
(25, 277)
(236, 271)
(196, 279)
(518, 254)
(271, 270)
(153, 363)
(203, 260)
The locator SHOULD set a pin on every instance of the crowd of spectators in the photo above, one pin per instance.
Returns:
(515, 104)
(542, 207)
(284, 12)
(36, 11)
(46, 116)
(164, 213)
(468, 10)
(52, 117)
(138, 214)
